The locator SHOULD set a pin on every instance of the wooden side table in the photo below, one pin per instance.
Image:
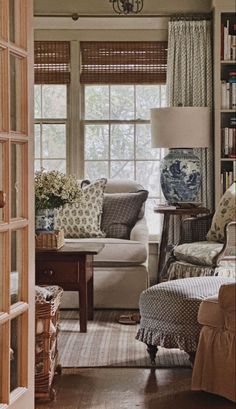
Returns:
(70, 267)
(168, 211)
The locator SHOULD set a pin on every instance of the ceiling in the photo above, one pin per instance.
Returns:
(103, 7)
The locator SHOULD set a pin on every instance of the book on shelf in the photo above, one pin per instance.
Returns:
(226, 179)
(228, 91)
(228, 142)
(228, 41)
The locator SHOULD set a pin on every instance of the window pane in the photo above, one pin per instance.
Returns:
(53, 164)
(122, 170)
(97, 102)
(153, 219)
(15, 353)
(94, 170)
(143, 143)
(122, 102)
(16, 265)
(37, 101)
(16, 180)
(148, 174)
(96, 141)
(54, 101)
(54, 141)
(37, 165)
(2, 85)
(37, 150)
(147, 97)
(122, 142)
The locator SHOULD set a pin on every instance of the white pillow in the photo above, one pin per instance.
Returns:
(224, 214)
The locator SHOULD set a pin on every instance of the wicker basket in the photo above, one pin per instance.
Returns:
(53, 240)
(47, 318)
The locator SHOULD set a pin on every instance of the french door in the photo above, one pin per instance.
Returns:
(16, 206)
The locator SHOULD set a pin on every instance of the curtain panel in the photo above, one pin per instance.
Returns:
(190, 83)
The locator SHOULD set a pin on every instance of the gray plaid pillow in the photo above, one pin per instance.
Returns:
(120, 213)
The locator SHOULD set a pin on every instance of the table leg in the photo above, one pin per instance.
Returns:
(163, 244)
(90, 298)
(83, 298)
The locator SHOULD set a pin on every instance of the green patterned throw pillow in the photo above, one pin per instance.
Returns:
(83, 219)
(224, 214)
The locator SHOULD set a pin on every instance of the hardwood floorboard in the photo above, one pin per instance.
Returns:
(130, 388)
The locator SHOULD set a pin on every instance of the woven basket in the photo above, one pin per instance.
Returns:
(47, 318)
(53, 240)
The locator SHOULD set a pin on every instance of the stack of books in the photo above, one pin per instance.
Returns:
(228, 140)
(228, 91)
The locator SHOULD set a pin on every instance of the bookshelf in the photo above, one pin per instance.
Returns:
(224, 95)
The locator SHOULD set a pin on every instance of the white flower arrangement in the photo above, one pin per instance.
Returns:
(54, 189)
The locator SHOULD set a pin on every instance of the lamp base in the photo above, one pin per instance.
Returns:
(180, 176)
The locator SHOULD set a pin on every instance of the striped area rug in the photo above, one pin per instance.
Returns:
(108, 344)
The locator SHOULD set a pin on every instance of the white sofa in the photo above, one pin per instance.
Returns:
(120, 270)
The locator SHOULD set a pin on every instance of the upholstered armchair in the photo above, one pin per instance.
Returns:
(207, 244)
(214, 367)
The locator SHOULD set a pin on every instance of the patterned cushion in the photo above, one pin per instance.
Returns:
(225, 213)
(120, 213)
(83, 219)
(202, 253)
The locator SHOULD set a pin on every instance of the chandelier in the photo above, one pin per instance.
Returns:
(127, 6)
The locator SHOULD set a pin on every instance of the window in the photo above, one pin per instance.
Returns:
(117, 137)
(51, 127)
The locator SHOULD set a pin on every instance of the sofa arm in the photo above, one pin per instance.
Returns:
(140, 232)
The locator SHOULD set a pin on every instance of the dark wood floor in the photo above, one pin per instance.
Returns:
(126, 388)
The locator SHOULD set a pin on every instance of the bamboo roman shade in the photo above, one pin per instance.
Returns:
(52, 62)
(123, 62)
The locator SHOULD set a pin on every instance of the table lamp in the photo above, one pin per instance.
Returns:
(180, 129)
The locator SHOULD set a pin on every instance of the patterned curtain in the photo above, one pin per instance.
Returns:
(189, 83)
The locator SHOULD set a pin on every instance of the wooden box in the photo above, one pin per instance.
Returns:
(53, 240)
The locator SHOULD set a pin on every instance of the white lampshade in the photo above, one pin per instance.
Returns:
(180, 127)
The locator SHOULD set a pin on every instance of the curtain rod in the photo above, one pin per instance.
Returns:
(76, 16)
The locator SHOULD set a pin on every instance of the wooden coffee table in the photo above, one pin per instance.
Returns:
(70, 267)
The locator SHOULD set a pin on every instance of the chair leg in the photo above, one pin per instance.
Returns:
(152, 351)
(191, 355)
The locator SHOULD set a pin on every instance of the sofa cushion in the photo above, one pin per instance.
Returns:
(225, 213)
(83, 219)
(201, 253)
(120, 213)
(117, 252)
(210, 313)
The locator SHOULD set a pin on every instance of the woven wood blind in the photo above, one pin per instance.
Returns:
(123, 62)
(52, 62)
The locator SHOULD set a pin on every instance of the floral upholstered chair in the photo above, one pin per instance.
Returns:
(207, 244)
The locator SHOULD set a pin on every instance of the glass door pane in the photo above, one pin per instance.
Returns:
(3, 90)
(2, 267)
(17, 18)
(1, 359)
(3, 19)
(17, 238)
(17, 98)
(1, 180)
(15, 353)
(17, 168)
